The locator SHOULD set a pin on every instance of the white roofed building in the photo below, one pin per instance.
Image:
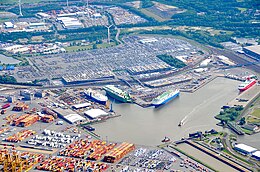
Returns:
(244, 149)
(43, 15)
(16, 49)
(8, 25)
(82, 105)
(256, 155)
(74, 118)
(205, 62)
(69, 22)
(97, 15)
(95, 113)
(225, 60)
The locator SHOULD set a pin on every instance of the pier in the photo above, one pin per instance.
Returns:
(246, 97)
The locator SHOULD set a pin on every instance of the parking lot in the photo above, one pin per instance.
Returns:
(93, 64)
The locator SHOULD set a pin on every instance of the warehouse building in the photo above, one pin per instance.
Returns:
(225, 60)
(95, 113)
(42, 15)
(81, 105)
(16, 49)
(205, 62)
(36, 25)
(69, 115)
(69, 22)
(244, 149)
(8, 25)
(256, 155)
(74, 118)
(253, 51)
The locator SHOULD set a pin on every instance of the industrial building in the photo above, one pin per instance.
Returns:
(225, 60)
(81, 105)
(205, 62)
(97, 15)
(256, 155)
(244, 149)
(28, 95)
(42, 15)
(36, 25)
(69, 22)
(69, 115)
(74, 118)
(16, 49)
(253, 51)
(199, 70)
(40, 93)
(8, 25)
(95, 113)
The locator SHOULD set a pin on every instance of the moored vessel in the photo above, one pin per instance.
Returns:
(247, 84)
(96, 96)
(165, 97)
(166, 139)
(118, 94)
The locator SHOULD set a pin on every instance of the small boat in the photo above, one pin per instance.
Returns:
(166, 139)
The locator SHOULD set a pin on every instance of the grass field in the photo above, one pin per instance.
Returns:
(251, 119)
(77, 48)
(256, 112)
(105, 45)
(242, 9)
(88, 47)
(156, 17)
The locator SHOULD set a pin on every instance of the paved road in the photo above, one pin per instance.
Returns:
(117, 36)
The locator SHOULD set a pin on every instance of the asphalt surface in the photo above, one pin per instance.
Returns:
(240, 60)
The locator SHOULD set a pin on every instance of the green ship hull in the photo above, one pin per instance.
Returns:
(117, 94)
(121, 99)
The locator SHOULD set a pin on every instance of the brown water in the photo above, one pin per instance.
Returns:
(148, 126)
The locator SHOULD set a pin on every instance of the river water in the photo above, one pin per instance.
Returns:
(148, 126)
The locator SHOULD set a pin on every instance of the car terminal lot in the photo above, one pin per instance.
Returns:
(94, 63)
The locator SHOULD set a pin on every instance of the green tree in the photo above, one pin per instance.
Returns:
(242, 121)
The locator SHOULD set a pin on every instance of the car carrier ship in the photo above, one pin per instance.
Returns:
(96, 96)
(165, 97)
(247, 84)
(117, 94)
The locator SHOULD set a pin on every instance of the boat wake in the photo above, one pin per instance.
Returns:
(201, 105)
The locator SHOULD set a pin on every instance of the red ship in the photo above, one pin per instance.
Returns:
(247, 84)
(6, 106)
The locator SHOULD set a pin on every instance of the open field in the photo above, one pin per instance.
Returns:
(88, 47)
(211, 30)
(251, 119)
(135, 4)
(77, 48)
(156, 17)
(256, 113)
(161, 12)
(242, 9)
